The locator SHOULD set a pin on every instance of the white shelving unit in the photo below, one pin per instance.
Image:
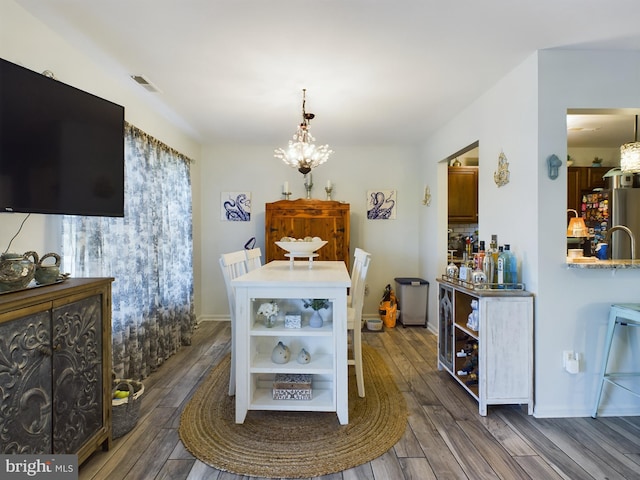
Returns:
(503, 372)
(254, 342)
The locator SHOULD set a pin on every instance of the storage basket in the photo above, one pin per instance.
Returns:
(125, 411)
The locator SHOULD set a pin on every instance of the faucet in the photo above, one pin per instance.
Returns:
(631, 237)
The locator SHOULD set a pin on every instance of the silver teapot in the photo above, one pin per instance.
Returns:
(16, 270)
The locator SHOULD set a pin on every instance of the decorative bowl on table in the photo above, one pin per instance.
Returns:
(302, 247)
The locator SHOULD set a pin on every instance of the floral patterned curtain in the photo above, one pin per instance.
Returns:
(148, 252)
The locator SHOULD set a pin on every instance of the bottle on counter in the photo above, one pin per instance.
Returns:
(501, 268)
(488, 267)
(492, 253)
(507, 267)
(493, 250)
(479, 257)
(511, 266)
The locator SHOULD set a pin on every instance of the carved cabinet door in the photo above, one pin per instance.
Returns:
(77, 373)
(445, 320)
(25, 384)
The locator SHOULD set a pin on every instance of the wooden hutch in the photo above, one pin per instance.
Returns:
(300, 218)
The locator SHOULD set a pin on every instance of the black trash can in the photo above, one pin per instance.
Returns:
(413, 300)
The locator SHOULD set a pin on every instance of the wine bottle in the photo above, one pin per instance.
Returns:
(488, 266)
(493, 249)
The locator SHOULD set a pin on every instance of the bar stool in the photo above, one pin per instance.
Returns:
(624, 315)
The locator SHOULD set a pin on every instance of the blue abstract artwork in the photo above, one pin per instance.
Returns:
(381, 204)
(235, 206)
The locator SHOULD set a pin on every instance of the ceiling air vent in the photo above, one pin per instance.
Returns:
(144, 81)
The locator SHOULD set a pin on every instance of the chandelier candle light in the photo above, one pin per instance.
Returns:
(328, 189)
(285, 191)
(308, 184)
(302, 153)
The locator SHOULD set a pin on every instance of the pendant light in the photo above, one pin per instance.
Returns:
(630, 153)
(302, 153)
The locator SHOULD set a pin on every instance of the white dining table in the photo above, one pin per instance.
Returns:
(289, 286)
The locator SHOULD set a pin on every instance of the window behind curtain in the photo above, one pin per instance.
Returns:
(149, 254)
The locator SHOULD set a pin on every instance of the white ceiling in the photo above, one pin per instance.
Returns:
(382, 71)
(603, 128)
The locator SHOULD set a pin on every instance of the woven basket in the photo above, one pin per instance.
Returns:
(125, 411)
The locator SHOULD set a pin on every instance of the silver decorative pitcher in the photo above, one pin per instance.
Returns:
(48, 273)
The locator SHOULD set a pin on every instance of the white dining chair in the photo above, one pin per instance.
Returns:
(253, 258)
(233, 265)
(359, 258)
(361, 263)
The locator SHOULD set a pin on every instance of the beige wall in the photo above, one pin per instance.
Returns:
(352, 170)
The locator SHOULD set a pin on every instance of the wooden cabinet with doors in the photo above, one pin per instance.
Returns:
(463, 194)
(580, 179)
(55, 368)
(300, 218)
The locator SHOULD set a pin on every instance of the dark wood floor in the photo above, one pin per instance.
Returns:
(445, 439)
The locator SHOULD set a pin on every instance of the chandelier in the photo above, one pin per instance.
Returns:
(302, 153)
(630, 154)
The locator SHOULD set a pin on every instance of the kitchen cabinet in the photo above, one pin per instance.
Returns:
(55, 368)
(300, 218)
(580, 179)
(495, 362)
(327, 345)
(463, 194)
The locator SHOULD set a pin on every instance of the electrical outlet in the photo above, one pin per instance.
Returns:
(366, 289)
(567, 356)
(571, 361)
(573, 365)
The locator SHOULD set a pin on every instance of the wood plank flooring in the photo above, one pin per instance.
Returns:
(445, 438)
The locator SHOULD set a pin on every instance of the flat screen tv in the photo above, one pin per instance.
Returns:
(61, 149)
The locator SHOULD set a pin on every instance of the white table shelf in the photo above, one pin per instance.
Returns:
(288, 285)
(320, 364)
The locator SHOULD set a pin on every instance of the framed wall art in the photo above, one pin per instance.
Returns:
(235, 206)
(381, 204)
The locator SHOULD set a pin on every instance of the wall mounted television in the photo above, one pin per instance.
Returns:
(61, 149)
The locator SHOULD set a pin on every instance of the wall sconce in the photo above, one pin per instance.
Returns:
(577, 227)
(553, 166)
(427, 196)
(501, 176)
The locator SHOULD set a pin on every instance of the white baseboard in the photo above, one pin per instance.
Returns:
(226, 318)
(213, 318)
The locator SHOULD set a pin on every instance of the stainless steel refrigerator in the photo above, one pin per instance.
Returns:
(604, 209)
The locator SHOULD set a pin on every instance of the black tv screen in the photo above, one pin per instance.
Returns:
(61, 149)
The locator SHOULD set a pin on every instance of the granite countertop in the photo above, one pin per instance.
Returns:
(594, 263)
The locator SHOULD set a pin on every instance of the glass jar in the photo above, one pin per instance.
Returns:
(270, 321)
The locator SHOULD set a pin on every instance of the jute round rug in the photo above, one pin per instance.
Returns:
(294, 444)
